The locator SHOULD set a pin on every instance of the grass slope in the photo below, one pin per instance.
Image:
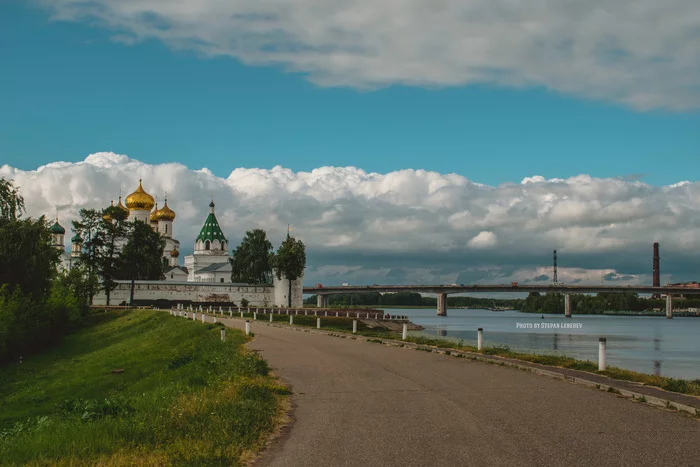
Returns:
(184, 396)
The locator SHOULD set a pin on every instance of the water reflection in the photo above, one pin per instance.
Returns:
(645, 344)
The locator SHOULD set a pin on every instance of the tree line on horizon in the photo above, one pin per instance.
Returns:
(550, 303)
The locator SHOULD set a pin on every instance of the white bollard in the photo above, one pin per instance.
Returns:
(204, 317)
(255, 316)
(480, 339)
(241, 314)
(602, 343)
(270, 317)
(215, 320)
(247, 327)
(194, 316)
(404, 334)
(354, 326)
(306, 312)
(291, 319)
(326, 313)
(230, 312)
(318, 323)
(223, 335)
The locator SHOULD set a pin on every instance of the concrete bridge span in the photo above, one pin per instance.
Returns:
(322, 292)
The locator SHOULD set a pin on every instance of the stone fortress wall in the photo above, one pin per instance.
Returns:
(204, 293)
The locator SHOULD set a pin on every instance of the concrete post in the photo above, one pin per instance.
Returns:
(480, 339)
(321, 301)
(354, 326)
(223, 335)
(404, 334)
(291, 319)
(306, 312)
(318, 323)
(326, 313)
(669, 306)
(204, 317)
(247, 327)
(270, 317)
(601, 353)
(567, 306)
(255, 315)
(241, 313)
(194, 315)
(230, 312)
(442, 304)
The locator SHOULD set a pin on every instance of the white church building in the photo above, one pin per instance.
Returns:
(206, 275)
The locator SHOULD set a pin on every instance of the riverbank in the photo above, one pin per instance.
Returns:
(371, 330)
(138, 387)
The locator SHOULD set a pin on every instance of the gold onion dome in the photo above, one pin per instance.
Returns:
(106, 215)
(174, 253)
(139, 200)
(165, 213)
(153, 217)
(121, 206)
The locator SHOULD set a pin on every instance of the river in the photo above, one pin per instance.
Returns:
(648, 344)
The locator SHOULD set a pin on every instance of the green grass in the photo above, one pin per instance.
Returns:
(184, 396)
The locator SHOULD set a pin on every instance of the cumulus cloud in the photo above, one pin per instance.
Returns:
(408, 225)
(642, 53)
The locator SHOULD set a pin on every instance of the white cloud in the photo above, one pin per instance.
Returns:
(403, 225)
(642, 53)
(483, 240)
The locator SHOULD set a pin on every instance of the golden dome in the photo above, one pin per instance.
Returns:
(174, 253)
(164, 214)
(121, 206)
(106, 215)
(153, 217)
(139, 200)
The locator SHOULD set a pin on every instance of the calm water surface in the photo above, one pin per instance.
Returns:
(648, 344)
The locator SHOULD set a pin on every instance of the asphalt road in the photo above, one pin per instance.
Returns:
(365, 404)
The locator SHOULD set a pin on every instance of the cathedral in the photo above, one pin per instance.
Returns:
(205, 277)
(208, 263)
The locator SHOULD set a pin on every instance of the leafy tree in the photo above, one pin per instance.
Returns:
(86, 228)
(112, 229)
(11, 202)
(28, 258)
(141, 257)
(290, 262)
(251, 260)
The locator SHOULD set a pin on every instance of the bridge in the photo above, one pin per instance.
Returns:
(442, 291)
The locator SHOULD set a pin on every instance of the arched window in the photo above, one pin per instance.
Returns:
(172, 275)
(206, 245)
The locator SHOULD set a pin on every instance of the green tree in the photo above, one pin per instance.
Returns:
(86, 228)
(28, 258)
(111, 230)
(11, 202)
(251, 260)
(141, 257)
(290, 262)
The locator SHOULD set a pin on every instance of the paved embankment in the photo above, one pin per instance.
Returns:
(359, 403)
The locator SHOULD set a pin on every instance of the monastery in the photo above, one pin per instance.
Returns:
(205, 277)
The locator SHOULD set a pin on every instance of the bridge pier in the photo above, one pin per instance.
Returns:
(321, 301)
(442, 304)
(669, 306)
(567, 306)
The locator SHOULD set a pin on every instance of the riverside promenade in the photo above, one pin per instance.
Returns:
(358, 403)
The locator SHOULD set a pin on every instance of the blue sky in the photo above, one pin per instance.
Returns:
(69, 89)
